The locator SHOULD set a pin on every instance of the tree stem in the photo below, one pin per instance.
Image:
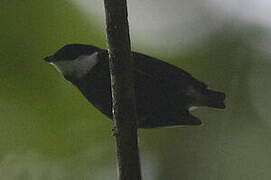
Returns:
(123, 93)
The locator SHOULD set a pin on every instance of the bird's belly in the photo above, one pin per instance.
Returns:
(156, 102)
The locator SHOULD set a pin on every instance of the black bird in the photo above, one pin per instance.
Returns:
(165, 94)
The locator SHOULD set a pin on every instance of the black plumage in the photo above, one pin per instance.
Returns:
(164, 93)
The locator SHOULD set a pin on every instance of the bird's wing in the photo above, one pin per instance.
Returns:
(161, 70)
(158, 105)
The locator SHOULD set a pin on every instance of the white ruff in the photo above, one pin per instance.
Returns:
(192, 108)
(78, 67)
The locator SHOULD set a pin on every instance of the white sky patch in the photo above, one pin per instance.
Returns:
(256, 11)
(158, 23)
(167, 27)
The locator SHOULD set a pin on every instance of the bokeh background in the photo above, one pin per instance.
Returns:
(48, 131)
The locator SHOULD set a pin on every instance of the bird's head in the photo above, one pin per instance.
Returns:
(74, 60)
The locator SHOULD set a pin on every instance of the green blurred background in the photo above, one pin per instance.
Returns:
(48, 131)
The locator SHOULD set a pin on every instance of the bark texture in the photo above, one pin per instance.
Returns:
(123, 93)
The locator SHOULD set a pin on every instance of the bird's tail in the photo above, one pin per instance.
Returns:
(213, 99)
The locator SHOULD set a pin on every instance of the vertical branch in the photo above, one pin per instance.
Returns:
(122, 83)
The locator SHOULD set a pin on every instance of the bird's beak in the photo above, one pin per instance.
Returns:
(49, 59)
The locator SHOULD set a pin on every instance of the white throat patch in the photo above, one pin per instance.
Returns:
(78, 67)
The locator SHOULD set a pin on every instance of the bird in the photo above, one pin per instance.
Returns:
(165, 94)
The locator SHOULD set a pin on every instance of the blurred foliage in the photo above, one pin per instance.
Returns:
(39, 109)
(231, 145)
(49, 131)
